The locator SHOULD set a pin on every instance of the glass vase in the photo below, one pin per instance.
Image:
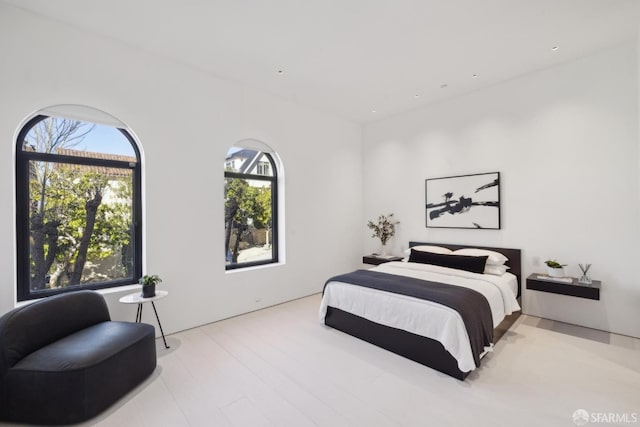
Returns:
(384, 250)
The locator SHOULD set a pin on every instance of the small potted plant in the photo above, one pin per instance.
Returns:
(383, 230)
(149, 285)
(554, 268)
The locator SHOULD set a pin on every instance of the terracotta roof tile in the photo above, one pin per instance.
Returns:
(102, 170)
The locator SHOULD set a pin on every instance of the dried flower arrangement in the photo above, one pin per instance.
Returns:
(384, 229)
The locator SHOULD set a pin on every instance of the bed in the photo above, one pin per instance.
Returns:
(425, 331)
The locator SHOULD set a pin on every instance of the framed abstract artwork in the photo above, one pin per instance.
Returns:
(466, 201)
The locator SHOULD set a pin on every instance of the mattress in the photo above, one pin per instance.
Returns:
(425, 318)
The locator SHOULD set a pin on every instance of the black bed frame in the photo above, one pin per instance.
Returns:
(420, 349)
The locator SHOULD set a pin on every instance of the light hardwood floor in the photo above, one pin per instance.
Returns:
(281, 367)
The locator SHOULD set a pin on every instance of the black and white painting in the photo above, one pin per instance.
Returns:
(468, 201)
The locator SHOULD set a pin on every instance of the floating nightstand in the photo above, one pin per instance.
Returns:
(573, 288)
(377, 260)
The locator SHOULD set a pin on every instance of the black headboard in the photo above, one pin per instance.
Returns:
(514, 255)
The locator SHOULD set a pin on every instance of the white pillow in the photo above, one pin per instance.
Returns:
(496, 270)
(427, 248)
(495, 258)
(432, 249)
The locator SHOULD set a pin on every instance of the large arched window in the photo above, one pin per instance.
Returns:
(78, 207)
(251, 208)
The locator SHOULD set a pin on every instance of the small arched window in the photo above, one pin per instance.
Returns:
(78, 207)
(251, 208)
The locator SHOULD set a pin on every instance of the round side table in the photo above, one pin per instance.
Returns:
(136, 298)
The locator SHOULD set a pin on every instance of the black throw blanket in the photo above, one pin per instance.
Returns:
(472, 305)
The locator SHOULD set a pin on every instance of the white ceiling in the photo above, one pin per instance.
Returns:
(350, 57)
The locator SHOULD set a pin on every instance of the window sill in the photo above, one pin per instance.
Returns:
(116, 289)
(105, 291)
(254, 267)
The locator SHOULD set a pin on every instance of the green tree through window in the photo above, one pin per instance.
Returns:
(78, 207)
(250, 208)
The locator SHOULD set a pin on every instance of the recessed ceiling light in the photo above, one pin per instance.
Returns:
(475, 76)
(443, 85)
(280, 72)
(554, 48)
(417, 95)
(373, 111)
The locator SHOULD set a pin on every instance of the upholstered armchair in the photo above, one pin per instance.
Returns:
(63, 361)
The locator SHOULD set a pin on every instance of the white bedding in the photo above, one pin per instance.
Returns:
(421, 317)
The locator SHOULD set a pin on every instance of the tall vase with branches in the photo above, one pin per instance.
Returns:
(384, 230)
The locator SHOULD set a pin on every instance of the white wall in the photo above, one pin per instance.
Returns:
(565, 141)
(186, 120)
(564, 138)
